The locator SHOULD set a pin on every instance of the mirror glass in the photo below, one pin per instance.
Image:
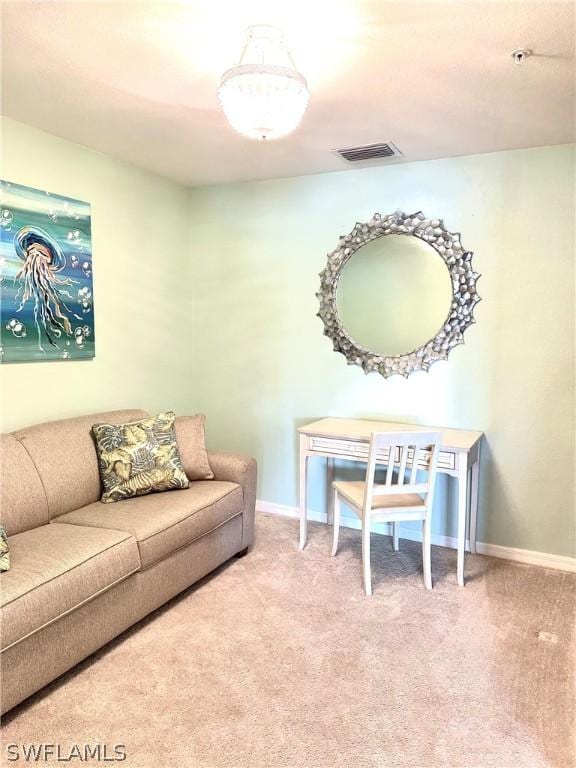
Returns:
(394, 295)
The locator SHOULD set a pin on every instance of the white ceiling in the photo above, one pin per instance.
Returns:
(138, 80)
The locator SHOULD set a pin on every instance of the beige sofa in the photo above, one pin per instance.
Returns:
(82, 571)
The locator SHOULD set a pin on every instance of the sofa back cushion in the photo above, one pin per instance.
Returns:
(65, 457)
(23, 503)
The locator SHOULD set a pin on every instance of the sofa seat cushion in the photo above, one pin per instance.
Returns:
(161, 523)
(55, 569)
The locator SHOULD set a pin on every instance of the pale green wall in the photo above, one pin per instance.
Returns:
(266, 368)
(141, 289)
(205, 301)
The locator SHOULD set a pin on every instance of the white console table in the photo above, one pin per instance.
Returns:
(336, 438)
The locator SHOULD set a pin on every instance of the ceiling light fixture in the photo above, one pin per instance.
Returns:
(264, 96)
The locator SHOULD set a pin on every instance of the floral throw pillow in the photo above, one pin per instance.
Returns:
(139, 457)
(4, 551)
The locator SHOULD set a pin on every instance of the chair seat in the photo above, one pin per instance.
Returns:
(353, 492)
(55, 569)
(161, 523)
(396, 502)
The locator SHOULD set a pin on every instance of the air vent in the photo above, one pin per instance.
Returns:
(381, 151)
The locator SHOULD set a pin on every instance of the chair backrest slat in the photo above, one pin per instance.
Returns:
(390, 468)
(414, 472)
(403, 460)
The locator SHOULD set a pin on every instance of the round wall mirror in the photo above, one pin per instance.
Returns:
(397, 293)
(394, 295)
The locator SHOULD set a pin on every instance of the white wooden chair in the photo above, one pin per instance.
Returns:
(397, 500)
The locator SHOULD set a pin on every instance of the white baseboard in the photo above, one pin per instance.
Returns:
(527, 556)
(353, 522)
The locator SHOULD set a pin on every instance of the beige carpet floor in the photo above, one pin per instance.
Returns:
(278, 660)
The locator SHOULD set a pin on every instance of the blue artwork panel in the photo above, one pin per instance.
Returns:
(46, 292)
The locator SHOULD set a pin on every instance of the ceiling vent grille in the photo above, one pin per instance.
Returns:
(382, 151)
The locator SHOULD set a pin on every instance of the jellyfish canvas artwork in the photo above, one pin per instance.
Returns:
(46, 289)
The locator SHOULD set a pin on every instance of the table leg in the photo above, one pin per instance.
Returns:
(329, 492)
(462, 514)
(303, 481)
(474, 504)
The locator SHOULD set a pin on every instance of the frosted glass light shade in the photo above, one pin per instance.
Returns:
(263, 99)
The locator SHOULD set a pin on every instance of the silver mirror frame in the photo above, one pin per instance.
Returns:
(464, 294)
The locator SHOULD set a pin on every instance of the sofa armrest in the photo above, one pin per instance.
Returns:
(235, 468)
